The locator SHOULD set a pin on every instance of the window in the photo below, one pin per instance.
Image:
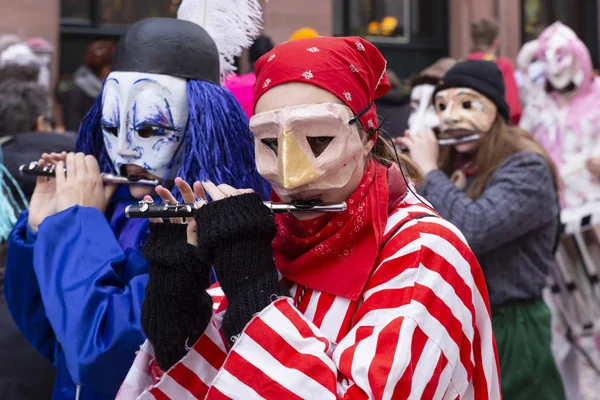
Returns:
(114, 12)
(381, 19)
(84, 21)
(422, 26)
(538, 14)
(75, 11)
(394, 21)
(130, 11)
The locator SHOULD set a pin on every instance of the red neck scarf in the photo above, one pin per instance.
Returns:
(336, 253)
(466, 164)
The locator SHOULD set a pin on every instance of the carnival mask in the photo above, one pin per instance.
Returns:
(308, 147)
(422, 111)
(143, 119)
(464, 111)
(561, 67)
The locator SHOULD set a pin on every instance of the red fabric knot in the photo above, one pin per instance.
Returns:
(155, 371)
(332, 64)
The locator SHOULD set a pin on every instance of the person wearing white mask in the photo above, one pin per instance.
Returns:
(422, 111)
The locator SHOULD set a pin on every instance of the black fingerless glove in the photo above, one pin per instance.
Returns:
(176, 309)
(239, 231)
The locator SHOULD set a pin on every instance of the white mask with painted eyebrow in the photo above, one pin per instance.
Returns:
(422, 111)
(144, 117)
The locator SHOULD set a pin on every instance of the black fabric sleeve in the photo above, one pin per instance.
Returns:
(239, 231)
(177, 308)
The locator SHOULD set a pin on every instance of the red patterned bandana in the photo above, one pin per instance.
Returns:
(349, 67)
(336, 254)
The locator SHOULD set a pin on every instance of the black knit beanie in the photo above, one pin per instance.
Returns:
(480, 75)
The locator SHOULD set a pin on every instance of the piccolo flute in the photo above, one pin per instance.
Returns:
(147, 209)
(35, 169)
(464, 139)
(449, 141)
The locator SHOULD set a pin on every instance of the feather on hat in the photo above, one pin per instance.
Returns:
(232, 24)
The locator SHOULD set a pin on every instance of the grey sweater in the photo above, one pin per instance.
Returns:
(511, 228)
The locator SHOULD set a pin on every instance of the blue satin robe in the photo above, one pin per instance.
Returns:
(76, 289)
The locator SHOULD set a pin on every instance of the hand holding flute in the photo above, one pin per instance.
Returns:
(424, 149)
(196, 198)
(83, 186)
(38, 169)
(43, 200)
(189, 196)
(47, 168)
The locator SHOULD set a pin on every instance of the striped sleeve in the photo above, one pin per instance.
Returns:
(191, 377)
(423, 331)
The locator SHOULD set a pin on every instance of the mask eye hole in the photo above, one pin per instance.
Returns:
(467, 105)
(272, 144)
(147, 130)
(318, 144)
(113, 130)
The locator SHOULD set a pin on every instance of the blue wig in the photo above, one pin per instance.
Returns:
(90, 139)
(215, 145)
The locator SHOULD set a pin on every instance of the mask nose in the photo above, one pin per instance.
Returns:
(125, 147)
(295, 169)
(450, 118)
(554, 66)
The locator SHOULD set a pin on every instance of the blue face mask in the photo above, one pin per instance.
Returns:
(143, 120)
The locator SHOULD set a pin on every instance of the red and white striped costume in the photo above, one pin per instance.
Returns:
(421, 330)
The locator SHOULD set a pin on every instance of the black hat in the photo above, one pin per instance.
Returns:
(261, 46)
(480, 75)
(168, 46)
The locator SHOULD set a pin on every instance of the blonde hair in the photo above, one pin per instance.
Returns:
(501, 142)
(483, 33)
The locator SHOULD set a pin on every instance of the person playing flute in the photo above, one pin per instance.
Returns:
(76, 277)
(384, 300)
(501, 192)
